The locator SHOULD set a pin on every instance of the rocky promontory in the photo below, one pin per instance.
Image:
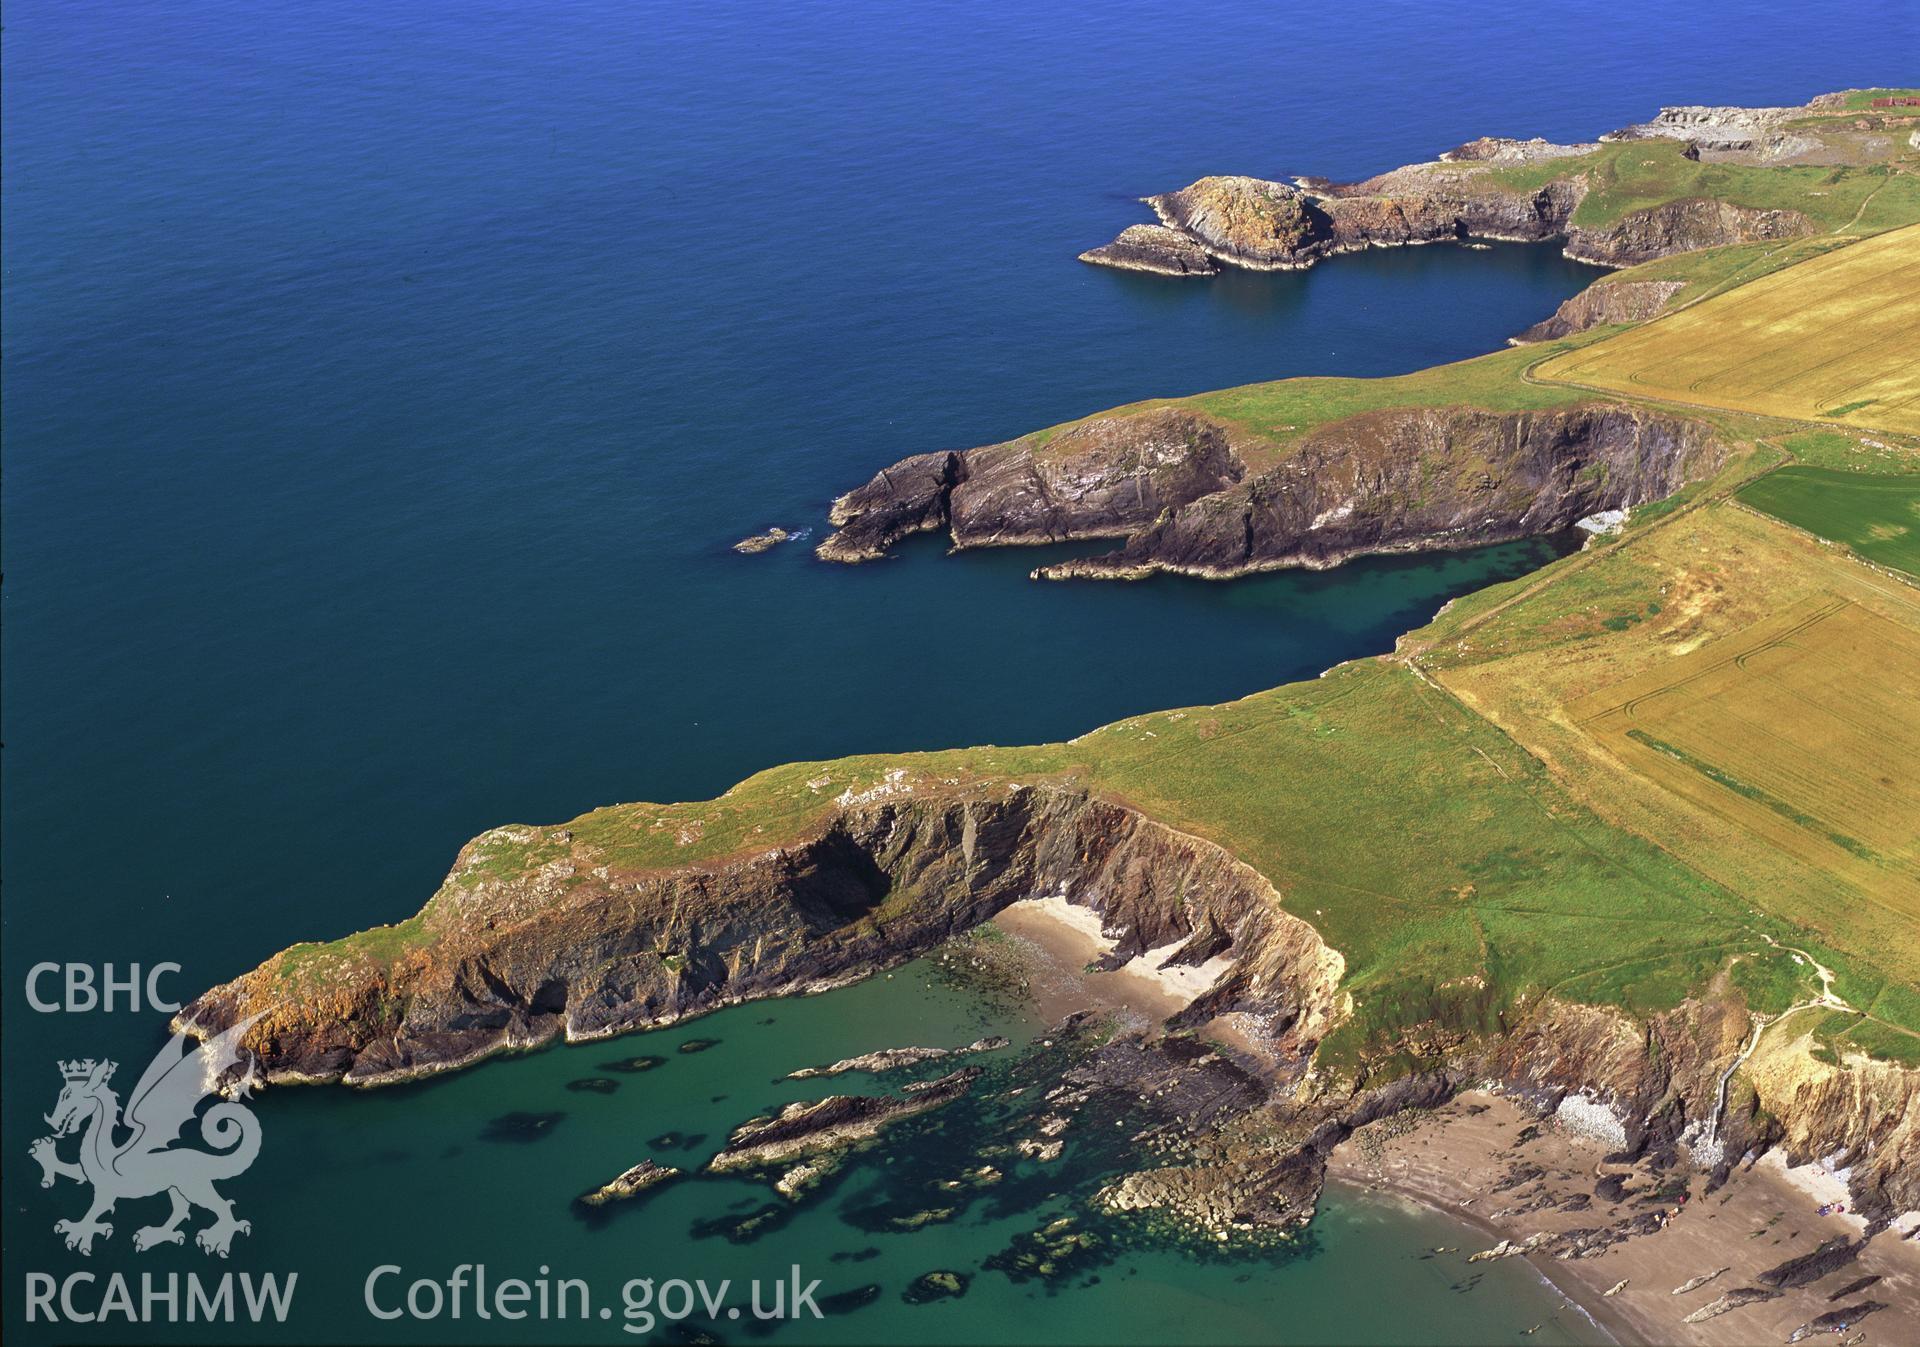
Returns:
(1507, 189)
(578, 949)
(1183, 492)
(1603, 302)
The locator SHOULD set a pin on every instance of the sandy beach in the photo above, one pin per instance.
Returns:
(1463, 1159)
(1490, 1162)
(1066, 938)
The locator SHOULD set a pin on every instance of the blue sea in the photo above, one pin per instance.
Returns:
(384, 384)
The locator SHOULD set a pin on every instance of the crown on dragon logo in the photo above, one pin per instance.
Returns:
(153, 1159)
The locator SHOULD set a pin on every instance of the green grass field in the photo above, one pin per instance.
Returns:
(1636, 175)
(1877, 515)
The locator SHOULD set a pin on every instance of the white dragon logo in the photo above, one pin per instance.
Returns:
(135, 1157)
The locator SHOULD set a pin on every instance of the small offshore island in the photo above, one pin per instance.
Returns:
(1602, 887)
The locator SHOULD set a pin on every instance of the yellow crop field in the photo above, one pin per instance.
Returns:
(1834, 338)
(1798, 729)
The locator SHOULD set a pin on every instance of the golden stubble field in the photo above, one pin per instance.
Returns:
(1834, 338)
(1742, 696)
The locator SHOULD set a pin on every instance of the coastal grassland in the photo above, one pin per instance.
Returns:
(1877, 515)
(1635, 175)
(1273, 417)
(1833, 337)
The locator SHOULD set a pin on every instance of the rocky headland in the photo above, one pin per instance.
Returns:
(1188, 493)
(1621, 301)
(1513, 190)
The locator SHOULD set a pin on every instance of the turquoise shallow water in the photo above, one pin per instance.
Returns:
(384, 384)
(427, 1193)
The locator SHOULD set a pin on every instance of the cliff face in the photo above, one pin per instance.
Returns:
(1174, 486)
(578, 949)
(1664, 1078)
(1601, 303)
(581, 951)
(1682, 227)
(1156, 248)
(1103, 478)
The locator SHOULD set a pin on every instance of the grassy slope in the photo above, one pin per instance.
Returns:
(1444, 830)
(1272, 418)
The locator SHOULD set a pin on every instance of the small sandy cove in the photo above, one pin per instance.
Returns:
(1066, 938)
(1454, 1156)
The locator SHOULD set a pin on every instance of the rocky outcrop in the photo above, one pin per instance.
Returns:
(1172, 484)
(1270, 226)
(821, 1126)
(1682, 227)
(1273, 226)
(580, 950)
(642, 1177)
(1763, 133)
(1246, 221)
(761, 542)
(1103, 478)
(894, 1059)
(1601, 303)
(1155, 248)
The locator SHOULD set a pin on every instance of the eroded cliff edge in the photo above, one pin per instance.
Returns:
(559, 944)
(565, 946)
(1191, 493)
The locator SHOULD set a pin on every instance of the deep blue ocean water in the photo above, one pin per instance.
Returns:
(385, 382)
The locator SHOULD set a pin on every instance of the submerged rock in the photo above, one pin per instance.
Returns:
(843, 1302)
(939, 1285)
(520, 1127)
(631, 1065)
(593, 1085)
